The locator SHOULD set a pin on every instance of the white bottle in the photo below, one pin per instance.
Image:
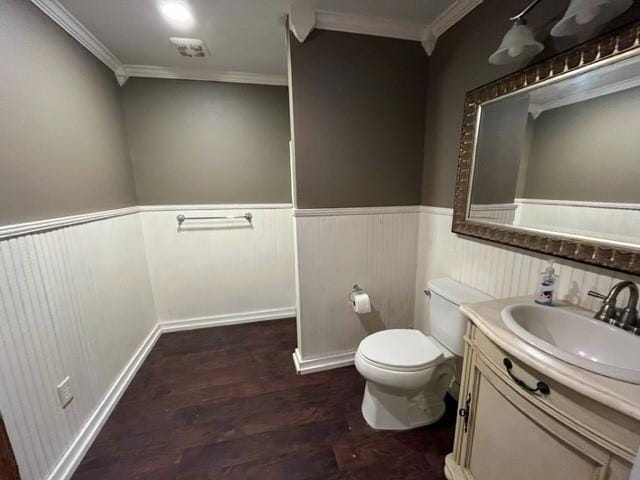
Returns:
(546, 291)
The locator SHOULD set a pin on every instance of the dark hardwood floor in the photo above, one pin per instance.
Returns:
(226, 403)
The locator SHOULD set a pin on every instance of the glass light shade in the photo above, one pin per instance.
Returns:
(583, 13)
(517, 45)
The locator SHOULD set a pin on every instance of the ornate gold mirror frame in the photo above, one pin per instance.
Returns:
(614, 46)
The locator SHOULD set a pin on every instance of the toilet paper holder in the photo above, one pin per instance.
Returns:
(355, 290)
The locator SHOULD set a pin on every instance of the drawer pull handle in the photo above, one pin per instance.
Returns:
(541, 387)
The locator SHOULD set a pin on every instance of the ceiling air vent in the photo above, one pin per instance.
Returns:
(190, 47)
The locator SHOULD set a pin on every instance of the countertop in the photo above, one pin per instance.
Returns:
(616, 394)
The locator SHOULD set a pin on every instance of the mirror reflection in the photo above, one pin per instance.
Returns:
(564, 158)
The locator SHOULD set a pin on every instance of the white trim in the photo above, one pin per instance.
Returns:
(447, 19)
(15, 230)
(67, 465)
(331, 212)
(229, 319)
(302, 21)
(319, 364)
(436, 210)
(493, 206)
(578, 203)
(452, 15)
(238, 206)
(153, 71)
(59, 14)
(367, 25)
(73, 27)
(18, 229)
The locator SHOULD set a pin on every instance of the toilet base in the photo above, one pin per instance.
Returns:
(389, 409)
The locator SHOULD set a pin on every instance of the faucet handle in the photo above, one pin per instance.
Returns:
(608, 310)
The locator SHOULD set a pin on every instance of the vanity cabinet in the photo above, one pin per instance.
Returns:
(505, 431)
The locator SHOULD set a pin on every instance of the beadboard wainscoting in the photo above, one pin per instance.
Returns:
(581, 218)
(337, 248)
(75, 300)
(218, 272)
(494, 212)
(497, 270)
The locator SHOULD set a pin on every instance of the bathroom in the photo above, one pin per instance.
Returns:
(196, 197)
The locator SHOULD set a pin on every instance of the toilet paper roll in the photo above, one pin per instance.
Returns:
(361, 303)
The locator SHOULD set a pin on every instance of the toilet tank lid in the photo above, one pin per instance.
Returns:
(457, 292)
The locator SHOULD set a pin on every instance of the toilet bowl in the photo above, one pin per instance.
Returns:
(407, 372)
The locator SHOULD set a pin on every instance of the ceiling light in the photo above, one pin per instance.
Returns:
(584, 13)
(177, 13)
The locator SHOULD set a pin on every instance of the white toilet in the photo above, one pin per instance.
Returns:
(408, 372)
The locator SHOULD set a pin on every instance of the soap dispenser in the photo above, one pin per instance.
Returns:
(546, 291)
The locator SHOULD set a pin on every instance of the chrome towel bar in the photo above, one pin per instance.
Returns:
(181, 218)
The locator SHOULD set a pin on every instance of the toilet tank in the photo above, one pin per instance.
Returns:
(448, 323)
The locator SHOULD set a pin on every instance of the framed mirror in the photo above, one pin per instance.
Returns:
(550, 156)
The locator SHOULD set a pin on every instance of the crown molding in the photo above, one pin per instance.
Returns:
(151, 71)
(303, 19)
(54, 10)
(366, 25)
(452, 15)
(447, 19)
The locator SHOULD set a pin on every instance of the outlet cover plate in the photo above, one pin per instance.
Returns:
(64, 392)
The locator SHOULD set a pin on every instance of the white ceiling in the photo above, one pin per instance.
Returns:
(242, 35)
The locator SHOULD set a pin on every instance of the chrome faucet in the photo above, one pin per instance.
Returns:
(626, 318)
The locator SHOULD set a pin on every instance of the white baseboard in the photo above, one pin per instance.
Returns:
(318, 364)
(230, 319)
(67, 465)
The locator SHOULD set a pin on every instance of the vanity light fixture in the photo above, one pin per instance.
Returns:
(519, 43)
(177, 13)
(585, 13)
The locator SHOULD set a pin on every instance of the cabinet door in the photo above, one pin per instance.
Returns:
(510, 438)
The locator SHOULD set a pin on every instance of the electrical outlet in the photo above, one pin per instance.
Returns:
(64, 392)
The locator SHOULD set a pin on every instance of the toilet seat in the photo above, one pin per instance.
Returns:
(402, 350)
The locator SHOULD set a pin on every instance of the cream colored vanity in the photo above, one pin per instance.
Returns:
(586, 427)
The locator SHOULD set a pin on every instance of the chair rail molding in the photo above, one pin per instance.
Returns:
(16, 230)
(331, 212)
(303, 18)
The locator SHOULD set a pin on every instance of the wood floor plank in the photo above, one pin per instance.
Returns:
(226, 403)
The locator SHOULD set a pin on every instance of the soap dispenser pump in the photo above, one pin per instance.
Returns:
(546, 291)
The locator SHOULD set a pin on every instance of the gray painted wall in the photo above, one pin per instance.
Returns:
(459, 64)
(358, 110)
(62, 142)
(501, 141)
(208, 142)
(587, 151)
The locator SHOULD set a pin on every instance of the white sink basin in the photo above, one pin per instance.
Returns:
(577, 339)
